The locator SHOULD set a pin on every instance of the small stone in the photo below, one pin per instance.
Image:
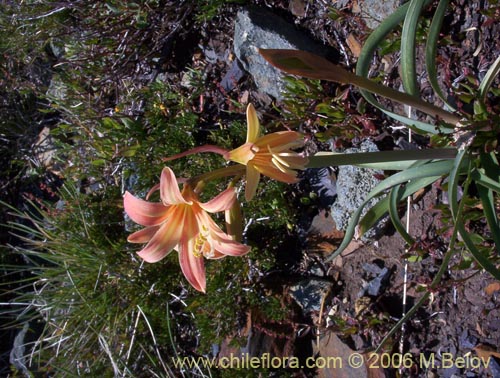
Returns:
(309, 293)
(298, 8)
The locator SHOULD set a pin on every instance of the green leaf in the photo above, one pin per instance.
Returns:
(488, 79)
(481, 178)
(364, 63)
(490, 164)
(395, 196)
(483, 260)
(382, 207)
(408, 61)
(98, 162)
(436, 168)
(431, 49)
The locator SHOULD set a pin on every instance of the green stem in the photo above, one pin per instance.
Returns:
(232, 170)
(200, 149)
(334, 159)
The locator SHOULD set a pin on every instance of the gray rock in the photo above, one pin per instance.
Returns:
(309, 293)
(374, 286)
(18, 353)
(259, 28)
(353, 186)
(323, 183)
(371, 11)
(57, 90)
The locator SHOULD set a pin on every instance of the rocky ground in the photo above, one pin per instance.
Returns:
(350, 304)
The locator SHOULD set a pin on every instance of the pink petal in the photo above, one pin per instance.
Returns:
(192, 267)
(253, 177)
(165, 239)
(253, 126)
(152, 190)
(223, 201)
(144, 235)
(143, 212)
(222, 242)
(230, 248)
(169, 188)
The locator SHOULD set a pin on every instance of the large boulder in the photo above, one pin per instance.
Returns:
(259, 28)
(353, 185)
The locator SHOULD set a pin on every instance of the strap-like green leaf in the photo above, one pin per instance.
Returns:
(408, 36)
(436, 168)
(485, 181)
(480, 258)
(488, 79)
(491, 168)
(363, 67)
(395, 196)
(382, 207)
(431, 49)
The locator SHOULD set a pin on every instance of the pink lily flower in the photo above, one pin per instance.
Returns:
(181, 222)
(270, 155)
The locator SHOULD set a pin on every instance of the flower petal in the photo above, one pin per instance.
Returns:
(270, 170)
(221, 242)
(253, 178)
(229, 247)
(234, 221)
(223, 201)
(253, 126)
(293, 160)
(274, 140)
(169, 188)
(165, 239)
(243, 154)
(144, 235)
(192, 267)
(143, 212)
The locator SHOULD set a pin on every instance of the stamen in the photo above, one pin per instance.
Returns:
(278, 157)
(278, 165)
(201, 242)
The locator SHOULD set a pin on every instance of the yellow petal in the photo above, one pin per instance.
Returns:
(277, 139)
(289, 176)
(243, 154)
(253, 177)
(253, 126)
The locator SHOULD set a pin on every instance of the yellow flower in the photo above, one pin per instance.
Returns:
(270, 155)
(181, 222)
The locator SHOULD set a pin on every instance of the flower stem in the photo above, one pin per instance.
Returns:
(205, 148)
